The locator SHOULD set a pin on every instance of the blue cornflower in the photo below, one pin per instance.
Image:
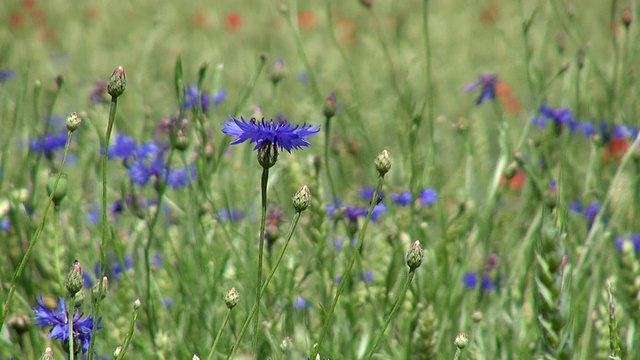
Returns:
(367, 276)
(82, 326)
(6, 75)
(633, 238)
(123, 147)
(279, 133)
(576, 206)
(150, 164)
(487, 82)
(191, 98)
(591, 212)
(470, 281)
(49, 143)
(5, 225)
(402, 199)
(378, 210)
(559, 116)
(367, 193)
(428, 196)
(231, 215)
(301, 303)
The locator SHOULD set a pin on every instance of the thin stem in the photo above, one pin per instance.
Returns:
(71, 306)
(327, 140)
(105, 225)
(132, 326)
(347, 271)
(395, 308)
(263, 223)
(36, 236)
(215, 342)
(255, 307)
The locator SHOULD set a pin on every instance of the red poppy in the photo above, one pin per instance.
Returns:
(16, 20)
(516, 182)
(233, 21)
(508, 101)
(307, 20)
(615, 149)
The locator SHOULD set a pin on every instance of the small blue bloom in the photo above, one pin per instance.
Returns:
(470, 280)
(301, 303)
(231, 215)
(82, 326)
(591, 212)
(280, 133)
(5, 225)
(219, 97)
(378, 211)
(367, 276)
(559, 116)
(49, 143)
(428, 196)
(6, 75)
(587, 128)
(191, 98)
(403, 199)
(487, 82)
(576, 206)
(367, 193)
(633, 238)
(123, 147)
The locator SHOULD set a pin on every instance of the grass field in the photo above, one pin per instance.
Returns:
(327, 179)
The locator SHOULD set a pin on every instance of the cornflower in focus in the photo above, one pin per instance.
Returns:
(82, 326)
(279, 133)
(487, 83)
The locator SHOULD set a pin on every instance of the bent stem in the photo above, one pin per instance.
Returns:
(255, 307)
(395, 308)
(36, 236)
(348, 269)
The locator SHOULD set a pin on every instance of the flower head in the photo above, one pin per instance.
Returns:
(191, 98)
(487, 82)
(428, 196)
(82, 326)
(264, 133)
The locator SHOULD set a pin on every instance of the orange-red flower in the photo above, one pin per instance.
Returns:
(233, 21)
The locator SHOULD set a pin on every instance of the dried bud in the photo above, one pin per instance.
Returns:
(302, 199)
(461, 341)
(627, 16)
(383, 162)
(74, 280)
(329, 108)
(415, 255)
(231, 298)
(285, 344)
(278, 72)
(117, 83)
(580, 59)
(73, 121)
(59, 82)
(366, 3)
(60, 191)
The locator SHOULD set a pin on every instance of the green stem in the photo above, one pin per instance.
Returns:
(215, 342)
(36, 236)
(263, 223)
(255, 307)
(132, 326)
(71, 306)
(456, 356)
(395, 308)
(347, 271)
(327, 140)
(105, 225)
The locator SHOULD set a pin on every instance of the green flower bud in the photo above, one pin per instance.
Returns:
(74, 280)
(61, 189)
(302, 199)
(231, 298)
(96, 293)
(330, 107)
(383, 162)
(117, 83)
(461, 341)
(278, 72)
(415, 255)
(73, 121)
(137, 304)
(181, 143)
(267, 155)
(47, 354)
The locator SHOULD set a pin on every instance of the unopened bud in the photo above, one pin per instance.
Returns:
(181, 143)
(285, 344)
(267, 155)
(627, 16)
(73, 121)
(195, 357)
(278, 72)
(117, 352)
(330, 107)
(117, 83)
(302, 199)
(415, 255)
(383, 162)
(461, 341)
(231, 298)
(74, 280)
(60, 191)
(137, 304)
(47, 354)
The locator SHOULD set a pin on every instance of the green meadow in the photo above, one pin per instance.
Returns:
(319, 179)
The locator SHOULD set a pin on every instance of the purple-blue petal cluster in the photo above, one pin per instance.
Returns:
(487, 83)
(280, 133)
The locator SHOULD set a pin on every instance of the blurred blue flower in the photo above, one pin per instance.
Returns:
(402, 199)
(49, 143)
(591, 211)
(280, 133)
(123, 147)
(428, 196)
(6, 75)
(576, 206)
(231, 215)
(152, 165)
(378, 211)
(633, 238)
(5, 225)
(301, 303)
(82, 326)
(367, 193)
(470, 281)
(219, 97)
(367, 276)
(487, 83)
(559, 116)
(191, 98)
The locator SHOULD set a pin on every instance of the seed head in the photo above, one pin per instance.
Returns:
(73, 121)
